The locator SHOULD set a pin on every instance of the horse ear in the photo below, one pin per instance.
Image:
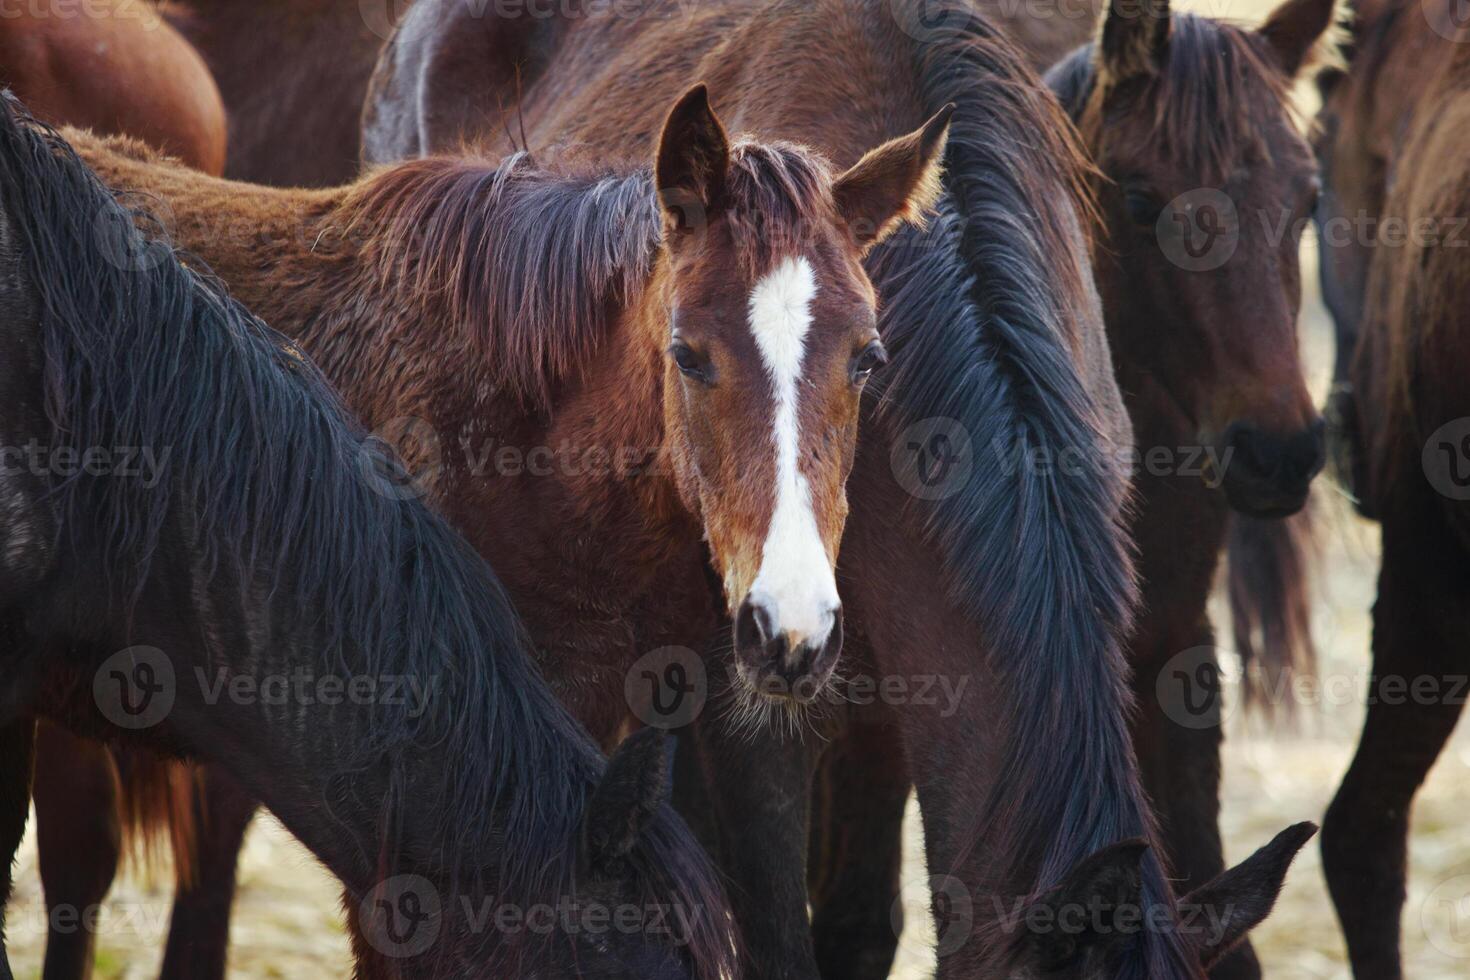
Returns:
(1236, 901)
(1097, 907)
(1134, 41)
(1294, 29)
(899, 181)
(634, 787)
(693, 159)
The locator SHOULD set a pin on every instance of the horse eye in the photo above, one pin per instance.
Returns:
(689, 363)
(871, 359)
(1143, 208)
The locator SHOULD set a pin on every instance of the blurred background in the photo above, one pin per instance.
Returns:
(287, 921)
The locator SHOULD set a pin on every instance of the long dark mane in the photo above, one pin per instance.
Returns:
(278, 485)
(980, 312)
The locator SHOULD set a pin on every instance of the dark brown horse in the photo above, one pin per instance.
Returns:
(1188, 119)
(998, 356)
(292, 74)
(189, 507)
(117, 67)
(1395, 141)
(1176, 111)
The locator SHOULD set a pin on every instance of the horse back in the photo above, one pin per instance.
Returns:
(116, 67)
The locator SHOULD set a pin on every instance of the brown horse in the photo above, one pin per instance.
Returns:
(114, 66)
(1184, 115)
(721, 414)
(1395, 140)
(451, 77)
(292, 74)
(1208, 365)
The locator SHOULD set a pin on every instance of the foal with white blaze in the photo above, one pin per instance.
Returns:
(763, 411)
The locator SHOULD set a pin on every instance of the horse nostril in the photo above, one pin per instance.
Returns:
(750, 630)
(1244, 441)
(1307, 452)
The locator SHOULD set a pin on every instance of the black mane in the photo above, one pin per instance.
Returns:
(142, 350)
(979, 313)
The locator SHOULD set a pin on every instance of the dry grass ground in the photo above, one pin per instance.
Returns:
(287, 922)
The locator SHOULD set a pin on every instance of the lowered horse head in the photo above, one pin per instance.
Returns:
(771, 329)
(1209, 186)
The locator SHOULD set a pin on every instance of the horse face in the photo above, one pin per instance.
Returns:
(1089, 922)
(772, 335)
(1210, 187)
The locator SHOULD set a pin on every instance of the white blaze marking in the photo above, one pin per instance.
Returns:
(795, 583)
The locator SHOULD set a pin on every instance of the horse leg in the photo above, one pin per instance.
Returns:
(858, 799)
(199, 931)
(1177, 737)
(17, 744)
(748, 798)
(79, 843)
(1420, 626)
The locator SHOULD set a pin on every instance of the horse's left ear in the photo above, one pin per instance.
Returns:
(1295, 29)
(1087, 909)
(1236, 901)
(693, 161)
(899, 181)
(634, 787)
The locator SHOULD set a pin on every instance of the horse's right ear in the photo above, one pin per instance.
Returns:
(1235, 901)
(1134, 42)
(693, 159)
(636, 784)
(1296, 30)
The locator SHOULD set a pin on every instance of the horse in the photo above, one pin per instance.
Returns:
(1182, 114)
(575, 350)
(296, 124)
(192, 513)
(115, 66)
(1393, 147)
(993, 328)
(1167, 105)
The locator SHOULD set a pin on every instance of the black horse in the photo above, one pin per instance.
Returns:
(200, 554)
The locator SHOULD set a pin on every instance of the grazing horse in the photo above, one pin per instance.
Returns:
(228, 532)
(1185, 115)
(674, 381)
(293, 74)
(1394, 142)
(117, 67)
(1199, 365)
(964, 558)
